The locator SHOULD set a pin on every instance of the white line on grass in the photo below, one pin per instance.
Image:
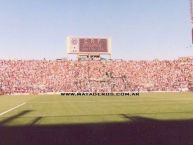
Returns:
(12, 108)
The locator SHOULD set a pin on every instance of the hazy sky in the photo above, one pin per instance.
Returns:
(139, 29)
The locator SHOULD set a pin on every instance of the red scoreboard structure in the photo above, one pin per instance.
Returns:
(89, 46)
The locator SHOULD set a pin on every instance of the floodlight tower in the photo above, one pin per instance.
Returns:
(191, 14)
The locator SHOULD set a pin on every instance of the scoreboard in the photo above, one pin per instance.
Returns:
(77, 45)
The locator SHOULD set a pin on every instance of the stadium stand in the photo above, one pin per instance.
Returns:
(54, 76)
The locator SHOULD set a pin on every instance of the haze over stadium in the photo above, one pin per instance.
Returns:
(145, 29)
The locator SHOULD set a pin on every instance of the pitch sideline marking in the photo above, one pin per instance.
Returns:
(12, 109)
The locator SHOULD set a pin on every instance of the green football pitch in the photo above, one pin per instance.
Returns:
(57, 110)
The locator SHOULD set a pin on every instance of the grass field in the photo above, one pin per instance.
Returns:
(56, 109)
(148, 119)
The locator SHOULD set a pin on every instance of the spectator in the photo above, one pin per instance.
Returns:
(43, 76)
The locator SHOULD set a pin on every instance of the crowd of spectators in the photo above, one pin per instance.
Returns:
(46, 76)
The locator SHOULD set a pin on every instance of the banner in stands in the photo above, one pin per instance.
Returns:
(76, 45)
